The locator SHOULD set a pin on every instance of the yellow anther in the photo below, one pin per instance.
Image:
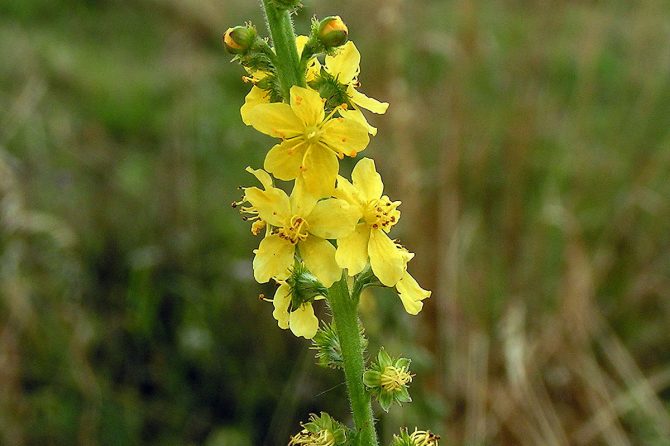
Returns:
(395, 378)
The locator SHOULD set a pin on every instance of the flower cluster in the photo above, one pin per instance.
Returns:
(323, 235)
(327, 223)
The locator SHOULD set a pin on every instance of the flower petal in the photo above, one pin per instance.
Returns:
(411, 294)
(281, 302)
(274, 257)
(272, 204)
(347, 192)
(319, 257)
(300, 42)
(386, 258)
(357, 115)
(366, 102)
(344, 65)
(319, 170)
(276, 119)
(333, 218)
(367, 180)
(262, 176)
(345, 136)
(256, 96)
(285, 158)
(303, 322)
(307, 105)
(302, 201)
(352, 250)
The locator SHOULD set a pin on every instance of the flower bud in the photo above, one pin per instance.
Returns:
(321, 430)
(238, 40)
(416, 438)
(304, 285)
(333, 32)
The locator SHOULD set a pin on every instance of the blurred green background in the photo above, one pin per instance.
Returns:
(528, 140)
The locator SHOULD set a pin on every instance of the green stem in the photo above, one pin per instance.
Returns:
(287, 61)
(345, 314)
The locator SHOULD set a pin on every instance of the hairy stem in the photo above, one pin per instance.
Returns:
(287, 61)
(345, 314)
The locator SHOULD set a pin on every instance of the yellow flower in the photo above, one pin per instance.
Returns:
(344, 66)
(312, 142)
(258, 95)
(299, 222)
(370, 240)
(301, 320)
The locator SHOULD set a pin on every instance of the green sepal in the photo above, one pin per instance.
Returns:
(324, 422)
(328, 348)
(385, 400)
(403, 363)
(372, 378)
(403, 396)
(304, 285)
(383, 359)
(331, 90)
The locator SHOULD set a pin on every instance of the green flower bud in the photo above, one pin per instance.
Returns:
(304, 285)
(321, 430)
(333, 32)
(416, 438)
(240, 39)
(388, 379)
(328, 348)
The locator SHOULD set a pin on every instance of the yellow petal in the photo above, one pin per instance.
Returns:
(285, 158)
(333, 218)
(367, 180)
(357, 115)
(345, 136)
(319, 170)
(307, 105)
(281, 302)
(272, 204)
(276, 119)
(319, 257)
(386, 258)
(352, 250)
(347, 192)
(365, 102)
(344, 65)
(274, 257)
(302, 201)
(300, 42)
(411, 294)
(261, 175)
(256, 96)
(303, 322)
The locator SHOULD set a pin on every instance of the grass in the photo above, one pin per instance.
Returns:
(528, 142)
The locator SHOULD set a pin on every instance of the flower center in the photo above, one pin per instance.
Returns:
(307, 438)
(424, 438)
(394, 378)
(382, 213)
(313, 134)
(296, 231)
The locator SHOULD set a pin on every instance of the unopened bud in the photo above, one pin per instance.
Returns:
(304, 285)
(238, 40)
(333, 32)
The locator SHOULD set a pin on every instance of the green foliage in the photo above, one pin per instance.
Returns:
(528, 143)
